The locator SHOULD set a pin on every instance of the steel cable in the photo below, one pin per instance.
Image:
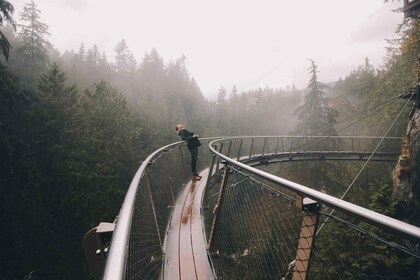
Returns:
(368, 160)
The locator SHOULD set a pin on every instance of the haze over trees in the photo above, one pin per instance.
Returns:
(6, 16)
(315, 114)
(74, 127)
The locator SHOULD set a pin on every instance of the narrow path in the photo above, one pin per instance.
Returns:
(185, 244)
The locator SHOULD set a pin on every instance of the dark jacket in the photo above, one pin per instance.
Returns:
(192, 142)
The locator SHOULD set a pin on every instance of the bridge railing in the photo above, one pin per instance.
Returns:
(260, 226)
(293, 146)
(332, 154)
(136, 250)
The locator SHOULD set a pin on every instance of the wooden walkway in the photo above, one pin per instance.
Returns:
(185, 244)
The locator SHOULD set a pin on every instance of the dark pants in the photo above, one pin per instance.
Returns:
(194, 157)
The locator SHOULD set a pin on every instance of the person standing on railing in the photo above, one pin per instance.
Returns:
(192, 143)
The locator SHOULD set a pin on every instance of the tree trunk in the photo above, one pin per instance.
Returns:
(406, 173)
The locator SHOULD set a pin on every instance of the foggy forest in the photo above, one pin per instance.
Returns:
(75, 126)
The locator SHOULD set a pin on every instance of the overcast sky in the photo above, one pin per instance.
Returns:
(245, 43)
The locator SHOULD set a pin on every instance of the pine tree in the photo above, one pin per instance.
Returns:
(33, 50)
(152, 76)
(35, 46)
(233, 94)
(6, 12)
(221, 97)
(18, 175)
(315, 115)
(122, 54)
(92, 58)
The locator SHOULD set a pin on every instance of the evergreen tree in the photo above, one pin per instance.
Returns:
(179, 85)
(233, 94)
(6, 12)
(221, 116)
(359, 84)
(81, 54)
(35, 46)
(400, 73)
(315, 115)
(122, 56)
(132, 66)
(33, 50)
(104, 67)
(152, 77)
(221, 97)
(257, 113)
(92, 59)
(354, 92)
(234, 112)
(316, 118)
(18, 174)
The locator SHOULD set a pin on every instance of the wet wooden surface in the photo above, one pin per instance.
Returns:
(185, 244)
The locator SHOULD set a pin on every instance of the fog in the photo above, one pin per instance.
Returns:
(249, 44)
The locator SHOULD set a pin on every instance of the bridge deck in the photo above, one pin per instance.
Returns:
(185, 244)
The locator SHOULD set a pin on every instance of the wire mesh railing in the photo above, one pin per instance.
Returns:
(257, 231)
(261, 226)
(136, 250)
(327, 167)
(293, 147)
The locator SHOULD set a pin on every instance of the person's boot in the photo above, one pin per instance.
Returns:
(196, 177)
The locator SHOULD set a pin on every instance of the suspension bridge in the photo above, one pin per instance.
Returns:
(244, 220)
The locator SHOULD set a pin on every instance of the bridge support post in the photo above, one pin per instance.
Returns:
(238, 157)
(152, 202)
(220, 151)
(251, 150)
(264, 147)
(306, 240)
(218, 208)
(170, 188)
(230, 146)
(211, 167)
(182, 161)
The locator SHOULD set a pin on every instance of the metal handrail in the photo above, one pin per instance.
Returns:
(409, 231)
(116, 260)
(115, 267)
(224, 138)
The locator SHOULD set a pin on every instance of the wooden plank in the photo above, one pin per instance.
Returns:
(186, 257)
(185, 245)
(171, 246)
(204, 270)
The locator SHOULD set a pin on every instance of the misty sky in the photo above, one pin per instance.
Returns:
(245, 43)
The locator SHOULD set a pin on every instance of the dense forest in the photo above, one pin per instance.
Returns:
(74, 127)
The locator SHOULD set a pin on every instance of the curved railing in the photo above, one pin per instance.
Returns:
(263, 226)
(253, 217)
(361, 213)
(136, 250)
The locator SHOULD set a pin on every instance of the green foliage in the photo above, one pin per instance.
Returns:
(73, 134)
(399, 74)
(6, 12)
(125, 62)
(315, 115)
(67, 159)
(32, 51)
(34, 45)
